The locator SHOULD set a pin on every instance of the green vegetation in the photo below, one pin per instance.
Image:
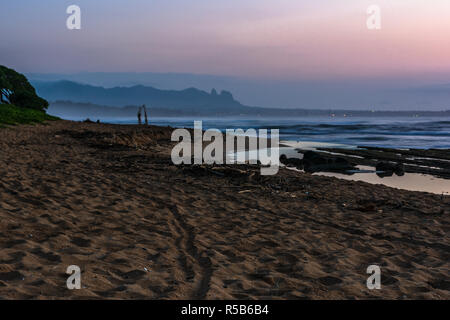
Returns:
(12, 115)
(15, 89)
(19, 103)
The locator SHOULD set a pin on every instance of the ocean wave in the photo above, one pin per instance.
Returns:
(381, 132)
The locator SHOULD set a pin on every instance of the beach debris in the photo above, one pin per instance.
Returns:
(220, 170)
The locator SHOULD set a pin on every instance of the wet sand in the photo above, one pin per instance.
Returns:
(108, 199)
(410, 181)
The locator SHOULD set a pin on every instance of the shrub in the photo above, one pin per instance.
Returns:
(15, 89)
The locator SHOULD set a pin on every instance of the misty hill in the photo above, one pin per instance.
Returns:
(404, 93)
(75, 100)
(189, 100)
(168, 81)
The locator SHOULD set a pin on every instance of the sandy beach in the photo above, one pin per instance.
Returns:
(108, 199)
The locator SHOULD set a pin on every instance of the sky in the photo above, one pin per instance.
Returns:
(274, 40)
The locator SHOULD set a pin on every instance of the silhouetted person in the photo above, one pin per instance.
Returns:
(139, 115)
(145, 115)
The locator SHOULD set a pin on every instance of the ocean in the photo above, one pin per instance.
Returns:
(395, 132)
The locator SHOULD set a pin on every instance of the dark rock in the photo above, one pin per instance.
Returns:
(399, 169)
(389, 168)
(314, 157)
(316, 162)
(384, 166)
(291, 162)
(384, 174)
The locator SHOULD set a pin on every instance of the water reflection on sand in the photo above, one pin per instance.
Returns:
(409, 181)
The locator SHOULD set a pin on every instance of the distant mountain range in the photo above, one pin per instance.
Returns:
(404, 93)
(69, 99)
(189, 100)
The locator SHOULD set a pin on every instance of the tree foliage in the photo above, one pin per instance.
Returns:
(15, 89)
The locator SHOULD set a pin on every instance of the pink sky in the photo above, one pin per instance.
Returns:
(252, 38)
